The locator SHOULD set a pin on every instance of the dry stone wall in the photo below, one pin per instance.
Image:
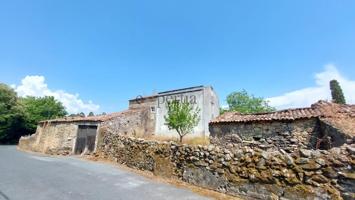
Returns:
(287, 135)
(253, 172)
(311, 133)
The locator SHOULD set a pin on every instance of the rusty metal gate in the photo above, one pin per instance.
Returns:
(85, 139)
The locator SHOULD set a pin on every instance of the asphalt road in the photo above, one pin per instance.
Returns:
(26, 176)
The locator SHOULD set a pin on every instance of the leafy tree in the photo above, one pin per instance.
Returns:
(41, 108)
(337, 92)
(81, 114)
(91, 114)
(103, 113)
(246, 103)
(182, 117)
(12, 118)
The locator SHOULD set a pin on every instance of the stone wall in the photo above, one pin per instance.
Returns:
(287, 135)
(133, 122)
(58, 138)
(303, 174)
(201, 97)
(143, 102)
(331, 136)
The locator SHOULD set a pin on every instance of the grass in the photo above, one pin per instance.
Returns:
(197, 141)
(187, 140)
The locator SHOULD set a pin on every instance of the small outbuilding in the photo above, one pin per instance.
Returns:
(323, 125)
(76, 135)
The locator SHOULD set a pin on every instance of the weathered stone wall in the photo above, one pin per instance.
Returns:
(287, 135)
(140, 102)
(331, 136)
(51, 137)
(303, 174)
(134, 122)
(60, 137)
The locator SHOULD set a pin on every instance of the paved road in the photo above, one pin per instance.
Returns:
(30, 176)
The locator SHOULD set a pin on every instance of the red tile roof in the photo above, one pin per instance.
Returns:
(319, 109)
(99, 118)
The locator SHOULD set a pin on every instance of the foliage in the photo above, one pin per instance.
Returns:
(337, 92)
(182, 117)
(41, 108)
(20, 116)
(222, 110)
(91, 114)
(12, 117)
(246, 103)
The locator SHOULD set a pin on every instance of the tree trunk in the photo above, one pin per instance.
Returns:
(181, 138)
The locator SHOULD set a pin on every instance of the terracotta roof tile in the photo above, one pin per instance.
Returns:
(319, 109)
(99, 118)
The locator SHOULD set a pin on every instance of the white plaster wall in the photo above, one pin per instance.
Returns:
(206, 101)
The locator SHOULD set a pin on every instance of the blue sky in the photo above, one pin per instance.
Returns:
(107, 52)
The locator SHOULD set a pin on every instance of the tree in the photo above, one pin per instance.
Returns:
(41, 108)
(91, 114)
(246, 103)
(81, 114)
(337, 92)
(182, 117)
(12, 118)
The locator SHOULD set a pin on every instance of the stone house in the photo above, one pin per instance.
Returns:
(323, 125)
(202, 97)
(76, 135)
(144, 117)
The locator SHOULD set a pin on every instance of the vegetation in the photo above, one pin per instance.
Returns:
(182, 117)
(41, 108)
(19, 116)
(12, 116)
(247, 103)
(91, 114)
(337, 92)
(202, 140)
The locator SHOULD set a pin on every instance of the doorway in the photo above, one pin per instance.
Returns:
(85, 139)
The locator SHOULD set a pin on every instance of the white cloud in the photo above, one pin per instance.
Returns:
(306, 96)
(36, 86)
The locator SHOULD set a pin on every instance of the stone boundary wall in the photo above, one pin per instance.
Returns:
(51, 138)
(303, 174)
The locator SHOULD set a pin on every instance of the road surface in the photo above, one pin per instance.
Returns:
(31, 176)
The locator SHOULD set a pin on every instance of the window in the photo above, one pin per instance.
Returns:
(152, 109)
